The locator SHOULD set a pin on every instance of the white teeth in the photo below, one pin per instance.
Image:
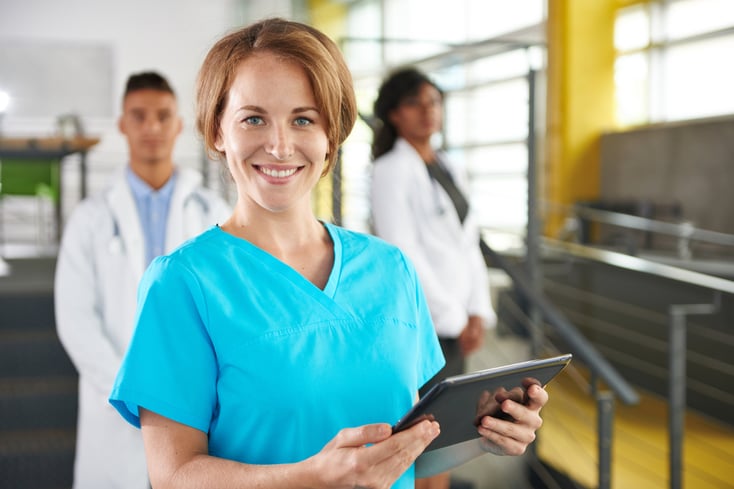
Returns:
(278, 173)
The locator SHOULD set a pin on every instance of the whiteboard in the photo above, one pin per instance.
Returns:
(46, 78)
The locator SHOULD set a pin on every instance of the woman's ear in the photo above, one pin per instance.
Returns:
(218, 143)
(393, 117)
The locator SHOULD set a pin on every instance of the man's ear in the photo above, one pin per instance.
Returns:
(120, 125)
(180, 126)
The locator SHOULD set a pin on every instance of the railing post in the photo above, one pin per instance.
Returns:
(676, 393)
(336, 190)
(605, 422)
(677, 382)
(532, 235)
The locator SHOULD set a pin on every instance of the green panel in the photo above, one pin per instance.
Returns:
(30, 177)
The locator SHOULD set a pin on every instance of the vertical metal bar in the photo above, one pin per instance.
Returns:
(677, 349)
(677, 393)
(83, 174)
(532, 238)
(204, 169)
(605, 421)
(336, 189)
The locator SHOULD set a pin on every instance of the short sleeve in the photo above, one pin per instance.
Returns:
(170, 367)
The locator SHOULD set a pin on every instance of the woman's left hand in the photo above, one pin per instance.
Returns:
(512, 437)
(472, 336)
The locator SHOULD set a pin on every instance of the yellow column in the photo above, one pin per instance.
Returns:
(330, 18)
(580, 99)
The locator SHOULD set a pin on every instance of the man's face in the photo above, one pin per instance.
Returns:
(151, 124)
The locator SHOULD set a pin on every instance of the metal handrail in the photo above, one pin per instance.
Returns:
(582, 349)
(623, 260)
(683, 229)
(678, 314)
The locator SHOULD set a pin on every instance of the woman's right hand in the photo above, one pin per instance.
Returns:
(370, 456)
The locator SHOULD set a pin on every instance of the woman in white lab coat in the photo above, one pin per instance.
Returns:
(102, 257)
(412, 209)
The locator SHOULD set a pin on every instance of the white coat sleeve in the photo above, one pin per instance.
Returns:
(395, 220)
(479, 302)
(77, 304)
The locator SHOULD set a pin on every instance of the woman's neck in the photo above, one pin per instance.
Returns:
(300, 241)
(278, 233)
(424, 149)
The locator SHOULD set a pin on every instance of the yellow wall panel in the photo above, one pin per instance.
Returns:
(580, 98)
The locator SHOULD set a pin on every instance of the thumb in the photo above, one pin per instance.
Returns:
(362, 435)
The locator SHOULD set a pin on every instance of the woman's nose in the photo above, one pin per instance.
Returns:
(280, 145)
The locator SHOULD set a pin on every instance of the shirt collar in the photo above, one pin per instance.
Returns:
(142, 190)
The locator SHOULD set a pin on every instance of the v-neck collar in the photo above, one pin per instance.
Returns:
(294, 276)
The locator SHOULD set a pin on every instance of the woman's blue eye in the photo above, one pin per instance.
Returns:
(302, 121)
(253, 120)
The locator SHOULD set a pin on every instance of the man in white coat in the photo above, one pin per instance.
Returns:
(151, 207)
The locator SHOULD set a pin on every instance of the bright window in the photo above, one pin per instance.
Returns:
(673, 60)
(699, 78)
(685, 18)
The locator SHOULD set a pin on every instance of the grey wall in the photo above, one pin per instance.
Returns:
(691, 163)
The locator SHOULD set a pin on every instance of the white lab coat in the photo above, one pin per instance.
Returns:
(412, 211)
(100, 262)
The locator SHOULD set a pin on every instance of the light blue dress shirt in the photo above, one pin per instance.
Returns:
(153, 206)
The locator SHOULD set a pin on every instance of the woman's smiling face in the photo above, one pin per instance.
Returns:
(272, 133)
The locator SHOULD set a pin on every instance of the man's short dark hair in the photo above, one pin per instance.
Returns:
(147, 80)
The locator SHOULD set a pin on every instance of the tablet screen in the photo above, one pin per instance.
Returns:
(459, 403)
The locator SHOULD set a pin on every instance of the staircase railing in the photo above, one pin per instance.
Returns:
(684, 232)
(582, 349)
(678, 314)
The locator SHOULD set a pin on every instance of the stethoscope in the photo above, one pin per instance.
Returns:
(116, 245)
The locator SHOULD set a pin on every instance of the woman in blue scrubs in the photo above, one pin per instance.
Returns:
(276, 350)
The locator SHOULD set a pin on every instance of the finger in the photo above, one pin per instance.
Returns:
(523, 414)
(362, 435)
(502, 445)
(400, 451)
(516, 394)
(537, 397)
(519, 414)
(511, 437)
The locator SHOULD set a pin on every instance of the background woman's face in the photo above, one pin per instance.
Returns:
(419, 116)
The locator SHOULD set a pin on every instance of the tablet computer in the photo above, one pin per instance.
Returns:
(459, 403)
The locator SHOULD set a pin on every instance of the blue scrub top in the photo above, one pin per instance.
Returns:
(233, 342)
